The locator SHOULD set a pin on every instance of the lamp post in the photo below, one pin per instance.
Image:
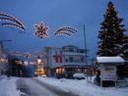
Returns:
(39, 60)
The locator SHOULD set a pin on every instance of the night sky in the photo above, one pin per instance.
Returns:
(57, 13)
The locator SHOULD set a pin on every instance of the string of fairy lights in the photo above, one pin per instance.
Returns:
(11, 21)
(41, 31)
(65, 30)
(27, 55)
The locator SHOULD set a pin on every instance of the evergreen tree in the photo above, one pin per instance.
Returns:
(111, 33)
(122, 71)
(125, 47)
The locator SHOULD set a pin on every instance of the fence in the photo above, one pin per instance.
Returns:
(121, 83)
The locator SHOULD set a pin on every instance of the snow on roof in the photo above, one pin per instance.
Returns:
(105, 59)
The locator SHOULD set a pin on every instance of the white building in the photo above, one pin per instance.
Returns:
(65, 61)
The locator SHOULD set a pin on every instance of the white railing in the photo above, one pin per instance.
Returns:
(121, 83)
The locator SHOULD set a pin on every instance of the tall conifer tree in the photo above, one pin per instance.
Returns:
(111, 33)
(125, 46)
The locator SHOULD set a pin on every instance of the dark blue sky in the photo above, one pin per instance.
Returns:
(56, 13)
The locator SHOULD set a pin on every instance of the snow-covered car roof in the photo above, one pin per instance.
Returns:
(105, 59)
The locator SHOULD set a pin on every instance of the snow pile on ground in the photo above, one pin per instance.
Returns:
(8, 86)
(83, 88)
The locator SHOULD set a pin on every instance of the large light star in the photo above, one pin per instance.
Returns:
(41, 30)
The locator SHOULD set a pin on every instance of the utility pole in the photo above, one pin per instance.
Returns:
(85, 45)
(85, 41)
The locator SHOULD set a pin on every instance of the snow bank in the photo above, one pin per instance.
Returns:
(82, 88)
(8, 86)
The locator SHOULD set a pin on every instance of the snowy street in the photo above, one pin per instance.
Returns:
(84, 88)
(41, 86)
(63, 48)
(33, 87)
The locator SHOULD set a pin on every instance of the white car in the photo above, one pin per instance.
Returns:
(79, 76)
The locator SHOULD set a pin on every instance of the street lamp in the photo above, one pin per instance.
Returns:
(39, 60)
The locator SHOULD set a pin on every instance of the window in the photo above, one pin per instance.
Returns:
(71, 50)
(81, 51)
(66, 60)
(82, 59)
(70, 59)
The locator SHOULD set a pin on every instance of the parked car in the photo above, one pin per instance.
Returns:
(79, 76)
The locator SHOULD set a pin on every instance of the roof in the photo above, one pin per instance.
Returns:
(116, 59)
(73, 46)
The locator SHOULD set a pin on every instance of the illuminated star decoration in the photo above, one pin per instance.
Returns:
(65, 30)
(41, 30)
(8, 20)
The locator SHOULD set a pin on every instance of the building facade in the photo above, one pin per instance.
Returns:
(3, 60)
(65, 61)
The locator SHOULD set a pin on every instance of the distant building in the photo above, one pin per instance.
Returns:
(65, 61)
(3, 60)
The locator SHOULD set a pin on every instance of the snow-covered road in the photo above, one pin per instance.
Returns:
(33, 87)
(40, 86)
